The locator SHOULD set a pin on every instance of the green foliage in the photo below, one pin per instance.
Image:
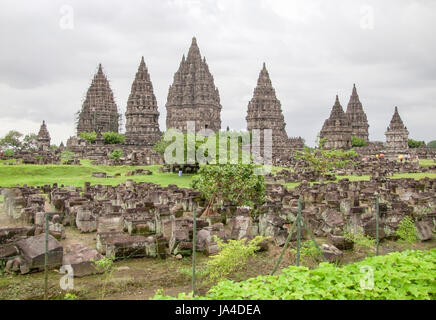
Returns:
(232, 256)
(232, 183)
(113, 137)
(308, 249)
(432, 144)
(324, 161)
(88, 136)
(8, 152)
(53, 147)
(407, 275)
(360, 240)
(116, 154)
(67, 156)
(70, 296)
(415, 144)
(104, 266)
(30, 142)
(407, 231)
(358, 142)
(2, 266)
(11, 140)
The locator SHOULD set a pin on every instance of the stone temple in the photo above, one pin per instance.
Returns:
(357, 117)
(43, 138)
(397, 135)
(193, 95)
(337, 129)
(265, 112)
(142, 115)
(99, 111)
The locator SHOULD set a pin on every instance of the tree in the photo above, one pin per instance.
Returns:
(88, 136)
(113, 137)
(358, 142)
(116, 154)
(11, 140)
(234, 183)
(413, 144)
(30, 142)
(67, 156)
(432, 144)
(323, 161)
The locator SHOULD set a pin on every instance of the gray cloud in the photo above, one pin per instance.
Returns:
(313, 50)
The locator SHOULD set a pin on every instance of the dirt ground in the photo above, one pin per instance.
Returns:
(138, 279)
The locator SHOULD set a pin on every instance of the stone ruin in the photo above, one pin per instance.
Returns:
(43, 138)
(142, 116)
(193, 95)
(397, 136)
(99, 111)
(337, 129)
(148, 220)
(357, 117)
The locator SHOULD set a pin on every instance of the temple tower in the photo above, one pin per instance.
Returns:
(142, 116)
(357, 117)
(397, 135)
(99, 111)
(193, 95)
(265, 112)
(337, 129)
(43, 139)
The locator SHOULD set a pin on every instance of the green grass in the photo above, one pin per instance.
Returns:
(36, 175)
(427, 162)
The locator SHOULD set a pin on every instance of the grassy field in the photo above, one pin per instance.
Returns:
(36, 175)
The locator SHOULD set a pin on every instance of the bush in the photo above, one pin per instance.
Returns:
(113, 137)
(407, 231)
(116, 154)
(8, 153)
(233, 256)
(67, 156)
(415, 144)
(432, 144)
(360, 240)
(88, 136)
(358, 142)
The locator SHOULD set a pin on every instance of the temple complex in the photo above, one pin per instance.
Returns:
(336, 130)
(142, 115)
(99, 111)
(43, 138)
(357, 117)
(397, 135)
(193, 95)
(265, 112)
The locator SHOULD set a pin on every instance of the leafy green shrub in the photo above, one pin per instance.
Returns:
(232, 256)
(67, 156)
(358, 142)
(415, 144)
(70, 296)
(396, 276)
(116, 154)
(104, 266)
(113, 137)
(308, 249)
(89, 136)
(360, 240)
(407, 231)
(8, 152)
(232, 183)
(432, 144)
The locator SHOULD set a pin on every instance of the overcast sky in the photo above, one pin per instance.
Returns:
(313, 50)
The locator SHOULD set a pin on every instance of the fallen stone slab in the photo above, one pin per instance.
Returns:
(424, 229)
(331, 253)
(124, 246)
(33, 251)
(81, 259)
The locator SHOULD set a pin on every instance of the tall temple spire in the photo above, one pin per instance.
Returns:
(99, 111)
(193, 95)
(337, 129)
(265, 112)
(43, 139)
(142, 115)
(357, 117)
(397, 135)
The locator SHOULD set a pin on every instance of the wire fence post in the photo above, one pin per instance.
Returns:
(194, 247)
(291, 231)
(298, 232)
(377, 213)
(46, 257)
